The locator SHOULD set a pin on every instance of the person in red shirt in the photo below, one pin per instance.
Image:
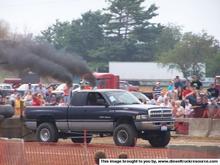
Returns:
(36, 101)
(187, 92)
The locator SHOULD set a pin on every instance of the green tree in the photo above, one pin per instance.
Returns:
(190, 53)
(56, 34)
(213, 65)
(81, 36)
(170, 35)
(129, 31)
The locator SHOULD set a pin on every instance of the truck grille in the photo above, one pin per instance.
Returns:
(160, 113)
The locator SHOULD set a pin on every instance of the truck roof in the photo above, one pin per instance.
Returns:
(99, 90)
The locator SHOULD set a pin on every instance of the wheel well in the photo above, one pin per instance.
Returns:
(124, 120)
(43, 119)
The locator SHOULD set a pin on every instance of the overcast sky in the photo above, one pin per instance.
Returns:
(32, 16)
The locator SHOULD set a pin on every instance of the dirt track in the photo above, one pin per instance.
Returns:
(67, 153)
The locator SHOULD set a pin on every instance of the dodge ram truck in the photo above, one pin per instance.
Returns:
(102, 111)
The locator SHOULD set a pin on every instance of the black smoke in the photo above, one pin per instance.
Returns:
(43, 59)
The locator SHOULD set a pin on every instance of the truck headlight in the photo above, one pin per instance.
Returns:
(141, 117)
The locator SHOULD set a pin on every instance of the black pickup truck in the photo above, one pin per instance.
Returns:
(114, 112)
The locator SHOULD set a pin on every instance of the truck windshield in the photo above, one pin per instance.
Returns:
(122, 98)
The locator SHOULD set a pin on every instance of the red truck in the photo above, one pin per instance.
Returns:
(112, 81)
(106, 80)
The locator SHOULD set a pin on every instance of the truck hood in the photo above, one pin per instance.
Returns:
(138, 107)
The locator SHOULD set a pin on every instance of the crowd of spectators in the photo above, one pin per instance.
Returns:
(186, 98)
(36, 96)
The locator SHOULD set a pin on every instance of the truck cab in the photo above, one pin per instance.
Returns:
(106, 80)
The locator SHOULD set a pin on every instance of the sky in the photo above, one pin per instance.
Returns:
(33, 16)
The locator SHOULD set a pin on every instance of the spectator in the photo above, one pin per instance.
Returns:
(212, 108)
(196, 83)
(188, 108)
(212, 91)
(67, 92)
(157, 90)
(173, 106)
(123, 156)
(41, 90)
(99, 155)
(170, 90)
(199, 101)
(49, 95)
(177, 83)
(187, 92)
(180, 112)
(61, 102)
(36, 101)
(41, 98)
(18, 105)
(204, 107)
(29, 89)
(28, 98)
(53, 100)
(170, 87)
(161, 98)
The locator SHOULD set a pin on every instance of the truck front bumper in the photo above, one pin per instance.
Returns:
(154, 125)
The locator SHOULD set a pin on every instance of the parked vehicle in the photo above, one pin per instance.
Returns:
(21, 89)
(129, 87)
(6, 89)
(106, 81)
(144, 99)
(5, 86)
(15, 82)
(102, 111)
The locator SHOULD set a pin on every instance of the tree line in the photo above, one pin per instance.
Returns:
(124, 31)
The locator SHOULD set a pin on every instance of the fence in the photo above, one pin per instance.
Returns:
(67, 153)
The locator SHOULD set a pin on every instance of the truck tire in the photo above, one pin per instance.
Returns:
(80, 139)
(160, 140)
(125, 135)
(47, 132)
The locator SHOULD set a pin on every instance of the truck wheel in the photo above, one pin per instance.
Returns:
(160, 140)
(47, 132)
(125, 135)
(80, 139)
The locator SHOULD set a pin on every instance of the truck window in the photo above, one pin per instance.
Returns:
(79, 98)
(95, 98)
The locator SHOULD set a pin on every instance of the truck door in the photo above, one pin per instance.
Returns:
(76, 111)
(96, 113)
(88, 110)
